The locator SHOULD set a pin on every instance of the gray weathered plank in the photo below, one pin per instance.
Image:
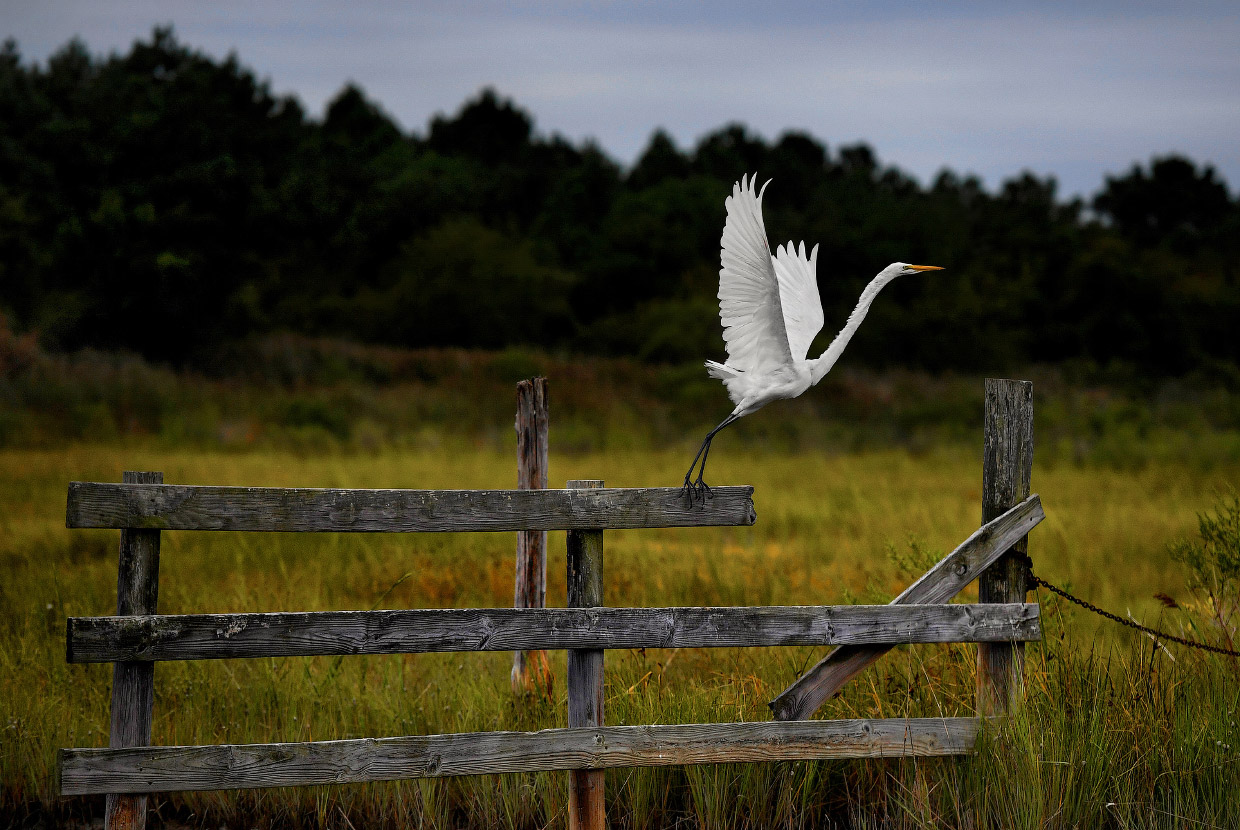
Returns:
(939, 584)
(133, 683)
(286, 509)
(1007, 468)
(212, 636)
(530, 669)
(585, 670)
(166, 769)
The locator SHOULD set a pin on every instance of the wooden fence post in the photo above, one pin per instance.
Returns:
(1007, 467)
(133, 684)
(530, 669)
(585, 671)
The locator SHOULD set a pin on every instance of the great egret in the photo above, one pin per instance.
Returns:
(771, 312)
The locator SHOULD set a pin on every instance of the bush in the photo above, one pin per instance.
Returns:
(1213, 564)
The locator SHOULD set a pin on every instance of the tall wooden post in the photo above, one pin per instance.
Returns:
(1007, 468)
(133, 683)
(530, 669)
(585, 671)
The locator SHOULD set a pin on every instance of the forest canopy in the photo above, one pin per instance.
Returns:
(167, 202)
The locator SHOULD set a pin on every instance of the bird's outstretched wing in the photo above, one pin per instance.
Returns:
(749, 303)
(798, 294)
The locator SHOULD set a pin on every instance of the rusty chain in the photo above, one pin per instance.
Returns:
(1154, 632)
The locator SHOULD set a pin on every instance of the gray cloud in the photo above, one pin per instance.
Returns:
(1075, 92)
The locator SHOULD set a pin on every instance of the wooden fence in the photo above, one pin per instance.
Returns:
(142, 507)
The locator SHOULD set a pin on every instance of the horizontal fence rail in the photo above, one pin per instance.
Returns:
(208, 636)
(290, 509)
(241, 766)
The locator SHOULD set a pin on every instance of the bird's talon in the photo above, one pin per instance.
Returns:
(689, 490)
(697, 491)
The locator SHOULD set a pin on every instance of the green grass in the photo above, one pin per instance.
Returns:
(1114, 732)
(302, 395)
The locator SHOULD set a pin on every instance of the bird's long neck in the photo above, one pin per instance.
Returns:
(821, 365)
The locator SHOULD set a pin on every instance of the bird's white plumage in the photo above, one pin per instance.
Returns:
(771, 312)
(798, 294)
(754, 332)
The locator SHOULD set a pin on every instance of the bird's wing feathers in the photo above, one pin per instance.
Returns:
(798, 294)
(749, 292)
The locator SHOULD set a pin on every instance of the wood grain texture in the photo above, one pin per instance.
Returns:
(286, 509)
(133, 684)
(167, 769)
(530, 669)
(585, 670)
(1007, 469)
(214, 636)
(939, 584)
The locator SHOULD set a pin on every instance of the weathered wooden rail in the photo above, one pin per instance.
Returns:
(137, 637)
(170, 768)
(215, 636)
(304, 510)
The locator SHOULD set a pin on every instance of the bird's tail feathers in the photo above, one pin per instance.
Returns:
(731, 378)
(718, 370)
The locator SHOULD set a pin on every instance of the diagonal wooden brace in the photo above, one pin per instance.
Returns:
(939, 584)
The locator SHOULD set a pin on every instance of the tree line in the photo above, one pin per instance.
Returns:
(167, 202)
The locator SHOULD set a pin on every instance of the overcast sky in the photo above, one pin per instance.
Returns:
(1076, 90)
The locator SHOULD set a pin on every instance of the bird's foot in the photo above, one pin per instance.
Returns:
(696, 491)
(689, 489)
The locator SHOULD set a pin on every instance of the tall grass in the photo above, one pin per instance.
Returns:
(304, 395)
(1115, 732)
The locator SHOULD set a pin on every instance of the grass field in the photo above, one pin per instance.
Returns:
(1115, 733)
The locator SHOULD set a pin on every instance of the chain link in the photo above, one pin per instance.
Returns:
(1089, 606)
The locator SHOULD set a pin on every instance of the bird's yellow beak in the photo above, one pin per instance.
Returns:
(925, 267)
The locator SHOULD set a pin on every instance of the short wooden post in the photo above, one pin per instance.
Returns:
(1007, 467)
(585, 671)
(133, 684)
(530, 669)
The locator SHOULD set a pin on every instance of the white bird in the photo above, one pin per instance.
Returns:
(771, 312)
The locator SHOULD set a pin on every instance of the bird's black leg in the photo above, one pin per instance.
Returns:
(702, 488)
(688, 487)
(699, 487)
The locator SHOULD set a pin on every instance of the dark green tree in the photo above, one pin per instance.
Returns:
(1173, 203)
(166, 201)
